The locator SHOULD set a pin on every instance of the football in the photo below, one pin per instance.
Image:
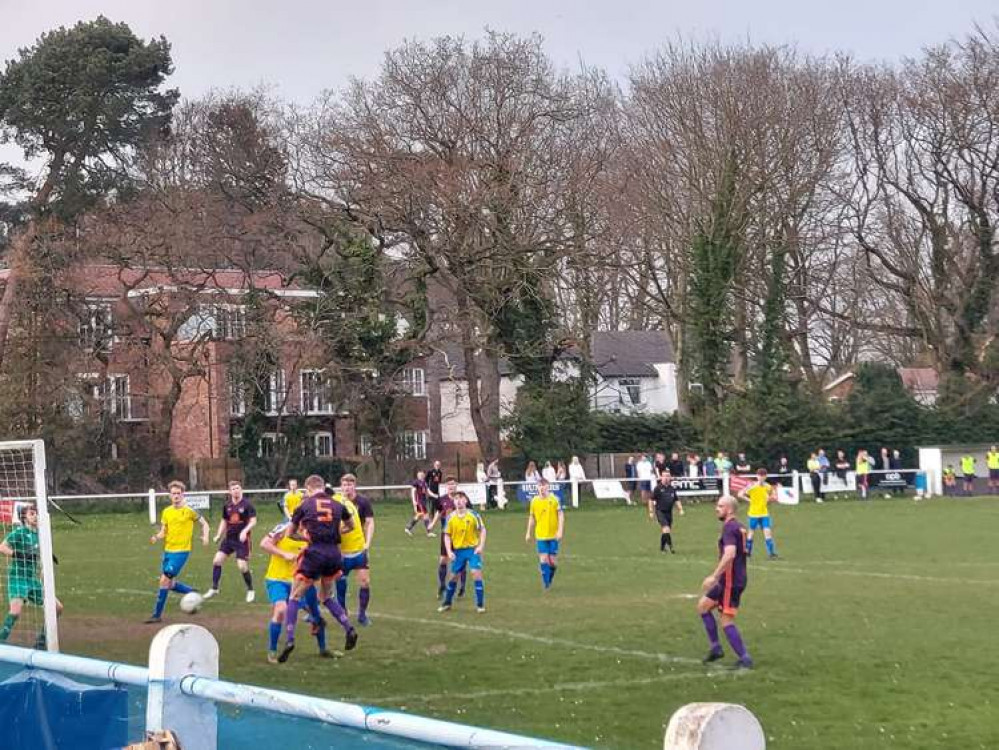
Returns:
(191, 602)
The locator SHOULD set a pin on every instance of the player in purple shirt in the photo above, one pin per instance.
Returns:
(445, 507)
(723, 588)
(238, 519)
(420, 491)
(318, 520)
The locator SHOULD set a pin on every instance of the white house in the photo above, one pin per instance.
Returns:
(634, 373)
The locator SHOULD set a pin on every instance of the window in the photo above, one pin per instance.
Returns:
(237, 395)
(315, 392)
(277, 393)
(114, 398)
(323, 444)
(231, 322)
(365, 445)
(96, 328)
(630, 391)
(202, 323)
(269, 444)
(413, 444)
(414, 381)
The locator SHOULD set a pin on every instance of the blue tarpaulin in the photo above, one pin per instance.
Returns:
(46, 711)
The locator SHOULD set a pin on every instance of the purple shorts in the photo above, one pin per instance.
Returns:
(316, 563)
(232, 546)
(727, 596)
(994, 475)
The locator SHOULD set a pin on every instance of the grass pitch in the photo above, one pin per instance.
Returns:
(874, 630)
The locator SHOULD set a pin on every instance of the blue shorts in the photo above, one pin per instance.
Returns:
(548, 546)
(173, 563)
(357, 561)
(467, 556)
(277, 591)
(759, 522)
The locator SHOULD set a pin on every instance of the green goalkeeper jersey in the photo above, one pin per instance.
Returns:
(24, 543)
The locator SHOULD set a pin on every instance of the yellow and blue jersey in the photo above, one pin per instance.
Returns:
(279, 569)
(759, 500)
(179, 525)
(465, 530)
(545, 512)
(291, 501)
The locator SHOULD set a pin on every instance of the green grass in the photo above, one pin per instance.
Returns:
(875, 630)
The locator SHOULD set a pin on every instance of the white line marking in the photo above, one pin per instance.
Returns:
(517, 635)
(556, 688)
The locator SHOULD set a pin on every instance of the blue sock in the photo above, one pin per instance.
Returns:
(749, 546)
(480, 594)
(321, 637)
(771, 550)
(545, 573)
(182, 588)
(449, 594)
(341, 591)
(275, 633)
(161, 597)
(552, 567)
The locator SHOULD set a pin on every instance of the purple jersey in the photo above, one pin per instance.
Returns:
(237, 515)
(446, 506)
(733, 534)
(421, 491)
(320, 517)
(364, 508)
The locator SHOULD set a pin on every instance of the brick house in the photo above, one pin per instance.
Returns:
(158, 346)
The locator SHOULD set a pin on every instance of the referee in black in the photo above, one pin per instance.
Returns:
(664, 497)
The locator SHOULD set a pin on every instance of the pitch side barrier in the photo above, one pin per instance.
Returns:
(182, 693)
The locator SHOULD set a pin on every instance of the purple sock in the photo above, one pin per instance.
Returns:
(291, 620)
(337, 611)
(216, 576)
(711, 627)
(735, 641)
(363, 597)
(441, 574)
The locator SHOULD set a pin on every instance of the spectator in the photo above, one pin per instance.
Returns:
(693, 465)
(742, 466)
(480, 473)
(842, 466)
(895, 463)
(824, 466)
(675, 466)
(532, 474)
(815, 474)
(629, 474)
(783, 466)
(949, 480)
(863, 469)
(660, 465)
(710, 467)
(643, 471)
(576, 472)
(724, 463)
(549, 473)
(561, 474)
(495, 479)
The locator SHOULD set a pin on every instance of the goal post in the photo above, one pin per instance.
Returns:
(27, 568)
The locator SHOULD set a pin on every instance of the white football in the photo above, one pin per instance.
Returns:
(191, 602)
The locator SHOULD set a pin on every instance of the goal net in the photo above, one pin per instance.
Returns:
(27, 578)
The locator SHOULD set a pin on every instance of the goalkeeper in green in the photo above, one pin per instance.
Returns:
(23, 576)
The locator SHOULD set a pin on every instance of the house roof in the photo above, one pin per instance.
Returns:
(849, 375)
(919, 378)
(630, 353)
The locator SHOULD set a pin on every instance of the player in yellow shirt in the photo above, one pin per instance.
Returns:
(759, 496)
(292, 498)
(464, 540)
(177, 529)
(547, 520)
(284, 551)
(354, 546)
(992, 463)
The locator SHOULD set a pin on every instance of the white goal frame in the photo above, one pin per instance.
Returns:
(45, 551)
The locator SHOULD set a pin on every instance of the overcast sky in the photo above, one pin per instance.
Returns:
(300, 47)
